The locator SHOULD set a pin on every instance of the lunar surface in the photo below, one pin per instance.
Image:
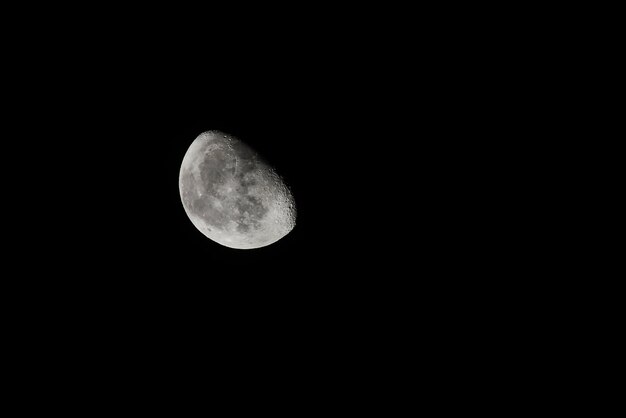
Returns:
(232, 195)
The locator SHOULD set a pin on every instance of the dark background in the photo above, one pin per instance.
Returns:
(359, 128)
(387, 127)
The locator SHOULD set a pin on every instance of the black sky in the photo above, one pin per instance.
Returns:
(365, 129)
(383, 128)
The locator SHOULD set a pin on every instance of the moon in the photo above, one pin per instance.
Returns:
(232, 195)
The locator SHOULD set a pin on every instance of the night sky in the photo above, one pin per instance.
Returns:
(365, 138)
(386, 141)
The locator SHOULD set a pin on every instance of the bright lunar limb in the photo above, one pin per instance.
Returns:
(231, 195)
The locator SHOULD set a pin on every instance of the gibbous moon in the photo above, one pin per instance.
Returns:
(232, 195)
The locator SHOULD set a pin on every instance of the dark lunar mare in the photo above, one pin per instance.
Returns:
(216, 170)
